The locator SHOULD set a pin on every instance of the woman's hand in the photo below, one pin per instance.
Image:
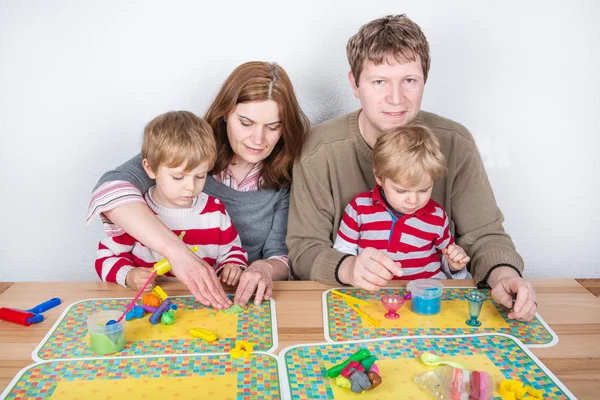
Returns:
(258, 277)
(199, 277)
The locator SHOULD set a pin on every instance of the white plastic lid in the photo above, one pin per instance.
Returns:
(425, 288)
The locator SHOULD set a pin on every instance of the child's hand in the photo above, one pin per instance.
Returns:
(231, 274)
(136, 278)
(456, 257)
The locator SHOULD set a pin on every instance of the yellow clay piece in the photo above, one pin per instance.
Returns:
(203, 334)
(241, 349)
(157, 291)
(511, 389)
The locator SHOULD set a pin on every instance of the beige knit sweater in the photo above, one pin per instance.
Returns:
(336, 164)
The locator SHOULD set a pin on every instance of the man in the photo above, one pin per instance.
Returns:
(389, 62)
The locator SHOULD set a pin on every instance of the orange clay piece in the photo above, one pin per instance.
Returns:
(151, 300)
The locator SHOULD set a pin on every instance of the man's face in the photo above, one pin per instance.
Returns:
(390, 94)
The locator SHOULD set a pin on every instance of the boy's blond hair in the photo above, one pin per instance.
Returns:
(176, 138)
(394, 35)
(408, 154)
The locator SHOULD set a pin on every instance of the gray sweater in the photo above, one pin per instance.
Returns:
(260, 216)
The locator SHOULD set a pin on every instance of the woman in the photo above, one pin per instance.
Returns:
(259, 129)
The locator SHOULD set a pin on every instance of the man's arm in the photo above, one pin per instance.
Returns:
(478, 220)
(310, 228)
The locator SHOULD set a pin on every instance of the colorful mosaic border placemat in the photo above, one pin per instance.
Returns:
(167, 377)
(303, 367)
(67, 339)
(343, 324)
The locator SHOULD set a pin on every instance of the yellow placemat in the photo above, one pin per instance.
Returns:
(194, 387)
(398, 378)
(224, 325)
(453, 314)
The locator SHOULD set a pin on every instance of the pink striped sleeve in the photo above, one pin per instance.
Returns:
(109, 196)
(285, 259)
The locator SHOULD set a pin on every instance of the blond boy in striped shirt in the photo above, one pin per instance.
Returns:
(398, 217)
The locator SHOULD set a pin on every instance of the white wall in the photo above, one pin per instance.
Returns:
(79, 79)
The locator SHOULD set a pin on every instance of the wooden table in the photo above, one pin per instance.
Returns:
(571, 310)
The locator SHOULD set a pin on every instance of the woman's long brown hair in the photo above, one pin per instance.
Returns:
(261, 81)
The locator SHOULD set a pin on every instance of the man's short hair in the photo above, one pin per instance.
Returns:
(394, 35)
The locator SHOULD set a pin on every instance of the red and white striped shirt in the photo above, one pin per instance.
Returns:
(206, 225)
(415, 240)
(114, 194)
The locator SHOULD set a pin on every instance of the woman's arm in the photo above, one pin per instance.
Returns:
(138, 221)
(275, 250)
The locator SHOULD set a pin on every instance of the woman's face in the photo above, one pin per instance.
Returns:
(253, 130)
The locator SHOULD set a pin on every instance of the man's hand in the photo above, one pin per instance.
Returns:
(370, 270)
(457, 258)
(505, 282)
(137, 277)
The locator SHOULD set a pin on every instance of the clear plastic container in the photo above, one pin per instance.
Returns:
(426, 296)
(106, 339)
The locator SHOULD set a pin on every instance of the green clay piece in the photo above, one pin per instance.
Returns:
(360, 355)
(212, 314)
(181, 235)
(234, 309)
(368, 362)
(101, 343)
(167, 318)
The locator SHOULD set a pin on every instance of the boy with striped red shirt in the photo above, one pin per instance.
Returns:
(398, 217)
(178, 150)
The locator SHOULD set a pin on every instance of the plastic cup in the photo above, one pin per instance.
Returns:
(476, 300)
(106, 339)
(426, 296)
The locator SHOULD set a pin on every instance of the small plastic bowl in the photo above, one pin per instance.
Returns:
(106, 339)
(392, 303)
(426, 296)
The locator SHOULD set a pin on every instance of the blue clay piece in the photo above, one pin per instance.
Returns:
(426, 305)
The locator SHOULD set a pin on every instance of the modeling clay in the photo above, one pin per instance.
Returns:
(510, 389)
(375, 368)
(343, 382)
(352, 367)
(212, 314)
(368, 362)
(374, 378)
(360, 355)
(135, 312)
(167, 318)
(157, 291)
(359, 382)
(151, 300)
(101, 343)
(454, 383)
(234, 309)
(241, 349)
(148, 308)
(155, 317)
(203, 334)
